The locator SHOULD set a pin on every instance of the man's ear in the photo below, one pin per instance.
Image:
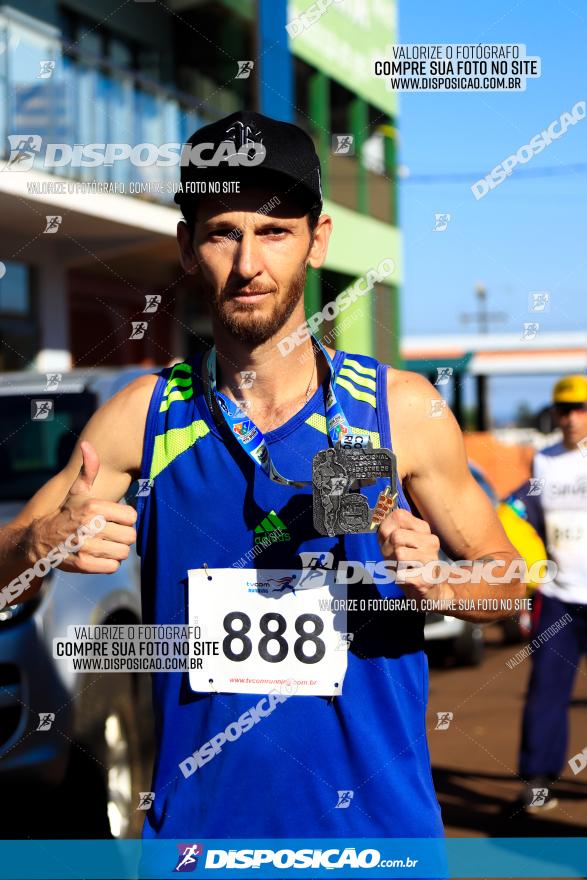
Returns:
(319, 246)
(187, 256)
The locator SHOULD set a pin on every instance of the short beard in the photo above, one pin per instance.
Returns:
(254, 331)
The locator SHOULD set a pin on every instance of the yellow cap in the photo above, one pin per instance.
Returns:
(571, 389)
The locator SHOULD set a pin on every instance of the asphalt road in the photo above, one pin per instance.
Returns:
(474, 760)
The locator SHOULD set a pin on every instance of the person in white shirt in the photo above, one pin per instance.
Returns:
(554, 501)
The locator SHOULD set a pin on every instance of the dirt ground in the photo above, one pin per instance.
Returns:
(475, 760)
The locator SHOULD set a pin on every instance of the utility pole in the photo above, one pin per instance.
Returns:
(483, 317)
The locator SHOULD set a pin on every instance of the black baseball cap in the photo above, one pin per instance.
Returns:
(269, 150)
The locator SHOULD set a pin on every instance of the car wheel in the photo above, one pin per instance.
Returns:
(107, 755)
(469, 647)
(120, 772)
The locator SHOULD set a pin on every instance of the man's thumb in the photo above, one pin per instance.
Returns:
(82, 485)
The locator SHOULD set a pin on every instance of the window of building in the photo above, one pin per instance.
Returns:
(15, 290)
(18, 322)
(343, 161)
(379, 183)
(302, 76)
(120, 53)
(332, 283)
(87, 37)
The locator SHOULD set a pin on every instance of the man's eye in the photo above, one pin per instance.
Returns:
(275, 230)
(225, 233)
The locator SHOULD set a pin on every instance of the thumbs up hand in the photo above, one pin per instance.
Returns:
(98, 532)
(82, 485)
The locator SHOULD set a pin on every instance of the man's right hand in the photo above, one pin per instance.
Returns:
(102, 552)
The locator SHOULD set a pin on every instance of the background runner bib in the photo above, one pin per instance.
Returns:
(273, 765)
(564, 504)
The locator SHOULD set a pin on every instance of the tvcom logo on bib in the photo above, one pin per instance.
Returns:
(274, 585)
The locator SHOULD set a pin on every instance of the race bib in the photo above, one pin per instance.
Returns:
(261, 630)
(566, 530)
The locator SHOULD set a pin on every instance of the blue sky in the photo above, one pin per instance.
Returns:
(525, 235)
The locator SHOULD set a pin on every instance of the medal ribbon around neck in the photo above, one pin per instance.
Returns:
(251, 438)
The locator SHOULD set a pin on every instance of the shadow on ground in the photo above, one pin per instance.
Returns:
(467, 804)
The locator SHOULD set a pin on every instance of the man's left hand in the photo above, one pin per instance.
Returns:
(406, 539)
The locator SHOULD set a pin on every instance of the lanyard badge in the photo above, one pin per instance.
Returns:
(338, 507)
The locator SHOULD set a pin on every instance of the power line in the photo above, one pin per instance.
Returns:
(472, 176)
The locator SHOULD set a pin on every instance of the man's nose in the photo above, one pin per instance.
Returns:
(247, 258)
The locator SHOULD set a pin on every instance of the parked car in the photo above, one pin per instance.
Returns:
(453, 639)
(100, 738)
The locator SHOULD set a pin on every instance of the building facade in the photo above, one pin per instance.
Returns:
(92, 72)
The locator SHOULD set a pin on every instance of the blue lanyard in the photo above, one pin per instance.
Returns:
(251, 437)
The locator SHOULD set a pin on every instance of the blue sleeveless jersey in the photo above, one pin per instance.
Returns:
(209, 503)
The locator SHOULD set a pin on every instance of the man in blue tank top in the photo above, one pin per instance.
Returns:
(303, 713)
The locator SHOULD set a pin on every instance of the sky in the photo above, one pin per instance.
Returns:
(529, 233)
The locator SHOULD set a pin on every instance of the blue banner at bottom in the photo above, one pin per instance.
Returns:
(416, 858)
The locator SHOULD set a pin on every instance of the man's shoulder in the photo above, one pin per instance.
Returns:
(402, 383)
(554, 449)
(551, 451)
(138, 392)
(117, 428)
(352, 357)
(422, 427)
(408, 393)
(408, 381)
(127, 409)
(408, 389)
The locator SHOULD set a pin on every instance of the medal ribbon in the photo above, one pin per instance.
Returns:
(251, 438)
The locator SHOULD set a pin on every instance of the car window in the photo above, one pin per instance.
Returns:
(37, 438)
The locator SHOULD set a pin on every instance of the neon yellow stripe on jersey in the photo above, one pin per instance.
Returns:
(366, 371)
(181, 375)
(358, 395)
(181, 372)
(358, 380)
(180, 380)
(172, 443)
(319, 423)
(176, 394)
(179, 386)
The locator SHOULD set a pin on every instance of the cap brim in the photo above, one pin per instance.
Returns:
(570, 398)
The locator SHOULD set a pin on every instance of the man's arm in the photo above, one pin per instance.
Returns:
(456, 512)
(104, 462)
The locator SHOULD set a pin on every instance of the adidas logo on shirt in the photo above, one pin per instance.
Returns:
(271, 528)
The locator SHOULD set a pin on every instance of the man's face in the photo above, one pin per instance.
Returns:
(572, 420)
(249, 266)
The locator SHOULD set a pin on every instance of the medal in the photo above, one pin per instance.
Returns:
(338, 508)
(337, 472)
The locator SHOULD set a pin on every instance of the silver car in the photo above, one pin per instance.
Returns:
(73, 731)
